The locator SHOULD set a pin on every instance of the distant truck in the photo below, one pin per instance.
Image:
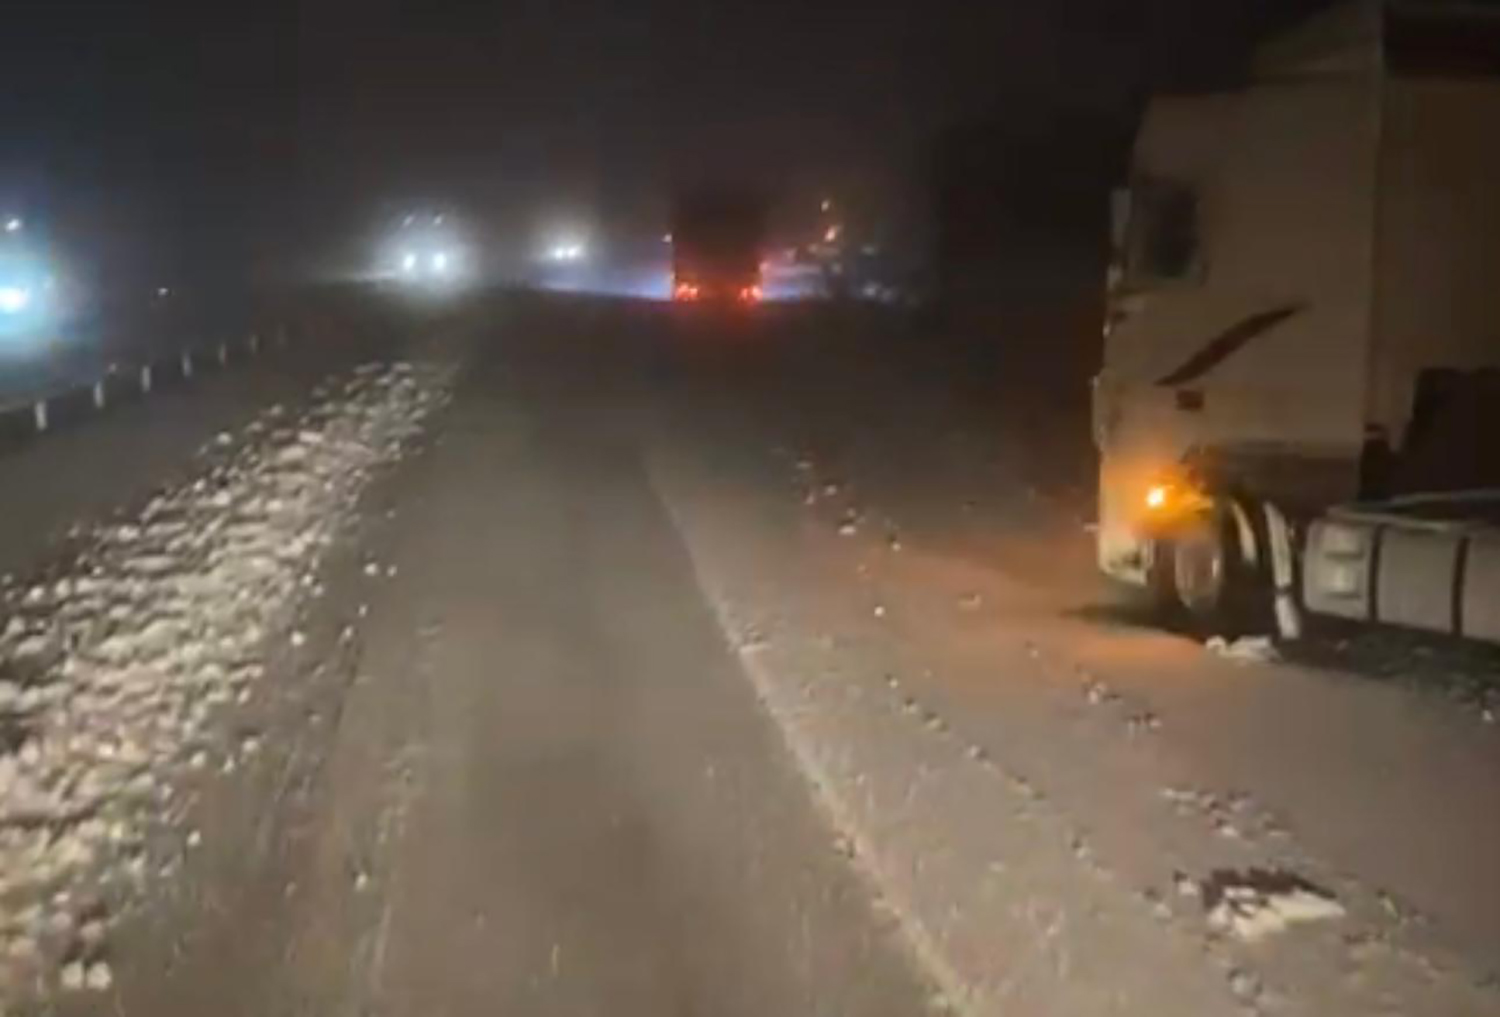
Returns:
(1299, 403)
(718, 244)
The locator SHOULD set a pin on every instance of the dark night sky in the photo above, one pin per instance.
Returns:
(254, 130)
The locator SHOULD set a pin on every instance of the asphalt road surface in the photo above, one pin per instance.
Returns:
(536, 782)
(577, 657)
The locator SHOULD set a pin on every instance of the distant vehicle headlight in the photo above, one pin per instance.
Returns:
(572, 251)
(408, 262)
(14, 299)
(440, 262)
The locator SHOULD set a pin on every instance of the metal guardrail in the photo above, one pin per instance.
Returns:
(27, 417)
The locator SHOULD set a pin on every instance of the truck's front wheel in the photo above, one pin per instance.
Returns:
(1200, 569)
(1204, 577)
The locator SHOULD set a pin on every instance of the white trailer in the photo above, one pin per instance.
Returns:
(1304, 313)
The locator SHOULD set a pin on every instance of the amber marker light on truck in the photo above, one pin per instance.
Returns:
(1174, 495)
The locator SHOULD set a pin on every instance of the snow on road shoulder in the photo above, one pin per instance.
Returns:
(1010, 881)
(996, 889)
(119, 671)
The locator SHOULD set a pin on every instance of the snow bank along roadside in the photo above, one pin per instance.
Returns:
(122, 670)
(1011, 897)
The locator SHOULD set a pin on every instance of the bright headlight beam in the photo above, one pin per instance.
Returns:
(570, 251)
(408, 262)
(440, 261)
(14, 299)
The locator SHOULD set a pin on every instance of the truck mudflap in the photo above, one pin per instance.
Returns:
(1378, 568)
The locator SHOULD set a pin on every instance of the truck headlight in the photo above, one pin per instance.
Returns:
(14, 299)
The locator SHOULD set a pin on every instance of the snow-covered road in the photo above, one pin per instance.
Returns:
(1076, 813)
(689, 667)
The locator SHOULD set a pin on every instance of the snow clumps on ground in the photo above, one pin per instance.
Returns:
(118, 671)
(1252, 906)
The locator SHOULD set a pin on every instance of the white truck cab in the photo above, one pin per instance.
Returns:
(1299, 265)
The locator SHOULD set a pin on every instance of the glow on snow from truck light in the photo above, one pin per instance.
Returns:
(656, 284)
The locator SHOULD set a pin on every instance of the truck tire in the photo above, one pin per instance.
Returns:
(1205, 582)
